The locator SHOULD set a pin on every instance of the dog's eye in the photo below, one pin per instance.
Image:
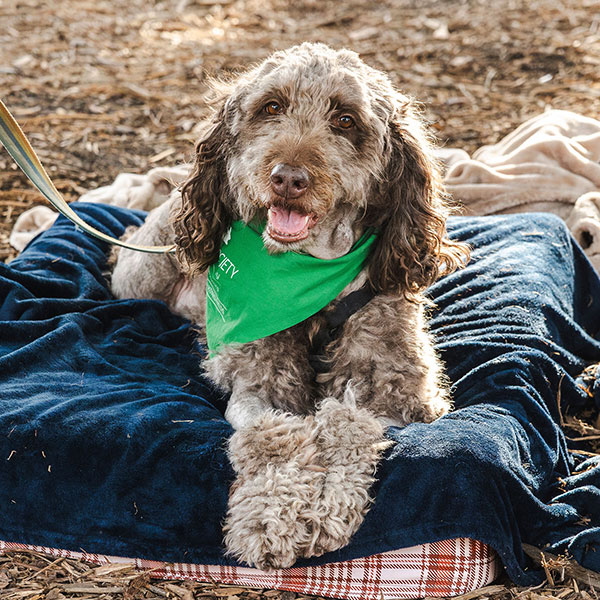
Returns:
(345, 122)
(273, 108)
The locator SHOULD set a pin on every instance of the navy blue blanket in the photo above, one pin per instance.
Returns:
(112, 441)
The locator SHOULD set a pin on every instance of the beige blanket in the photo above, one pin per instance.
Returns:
(550, 163)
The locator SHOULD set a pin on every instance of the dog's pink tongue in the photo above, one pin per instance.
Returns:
(287, 221)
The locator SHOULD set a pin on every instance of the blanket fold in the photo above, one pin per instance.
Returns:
(550, 163)
(112, 441)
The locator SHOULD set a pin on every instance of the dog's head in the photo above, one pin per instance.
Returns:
(320, 146)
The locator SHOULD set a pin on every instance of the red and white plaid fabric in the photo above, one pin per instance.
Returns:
(446, 568)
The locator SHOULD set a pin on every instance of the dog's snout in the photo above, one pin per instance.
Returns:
(289, 181)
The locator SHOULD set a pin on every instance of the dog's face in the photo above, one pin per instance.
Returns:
(309, 131)
(320, 146)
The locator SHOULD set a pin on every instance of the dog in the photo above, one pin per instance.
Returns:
(321, 151)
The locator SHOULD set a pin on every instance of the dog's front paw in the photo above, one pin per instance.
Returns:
(350, 441)
(302, 486)
(271, 516)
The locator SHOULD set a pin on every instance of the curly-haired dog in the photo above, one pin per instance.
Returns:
(321, 148)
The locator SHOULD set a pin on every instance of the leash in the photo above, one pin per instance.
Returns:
(18, 146)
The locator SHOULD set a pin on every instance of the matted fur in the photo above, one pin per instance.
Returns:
(305, 447)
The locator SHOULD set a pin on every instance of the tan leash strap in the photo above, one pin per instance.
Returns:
(18, 146)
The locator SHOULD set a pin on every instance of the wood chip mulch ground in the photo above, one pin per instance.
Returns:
(102, 87)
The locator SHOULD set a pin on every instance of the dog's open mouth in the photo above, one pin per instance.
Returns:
(286, 225)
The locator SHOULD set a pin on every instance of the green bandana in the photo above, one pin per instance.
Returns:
(251, 294)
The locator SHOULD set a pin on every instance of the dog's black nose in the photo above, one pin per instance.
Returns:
(289, 181)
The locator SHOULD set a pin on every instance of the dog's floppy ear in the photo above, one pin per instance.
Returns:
(413, 248)
(205, 217)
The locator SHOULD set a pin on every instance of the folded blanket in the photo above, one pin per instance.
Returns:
(550, 163)
(113, 442)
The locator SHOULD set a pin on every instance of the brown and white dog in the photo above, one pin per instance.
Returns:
(322, 147)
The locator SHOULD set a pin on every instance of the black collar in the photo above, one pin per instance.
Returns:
(342, 310)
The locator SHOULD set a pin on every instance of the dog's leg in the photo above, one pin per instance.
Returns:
(270, 373)
(387, 352)
(385, 369)
(302, 486)
(350, 441)
(157, 276)
(271, 518)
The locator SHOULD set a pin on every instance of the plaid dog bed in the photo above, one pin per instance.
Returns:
(446, 568)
